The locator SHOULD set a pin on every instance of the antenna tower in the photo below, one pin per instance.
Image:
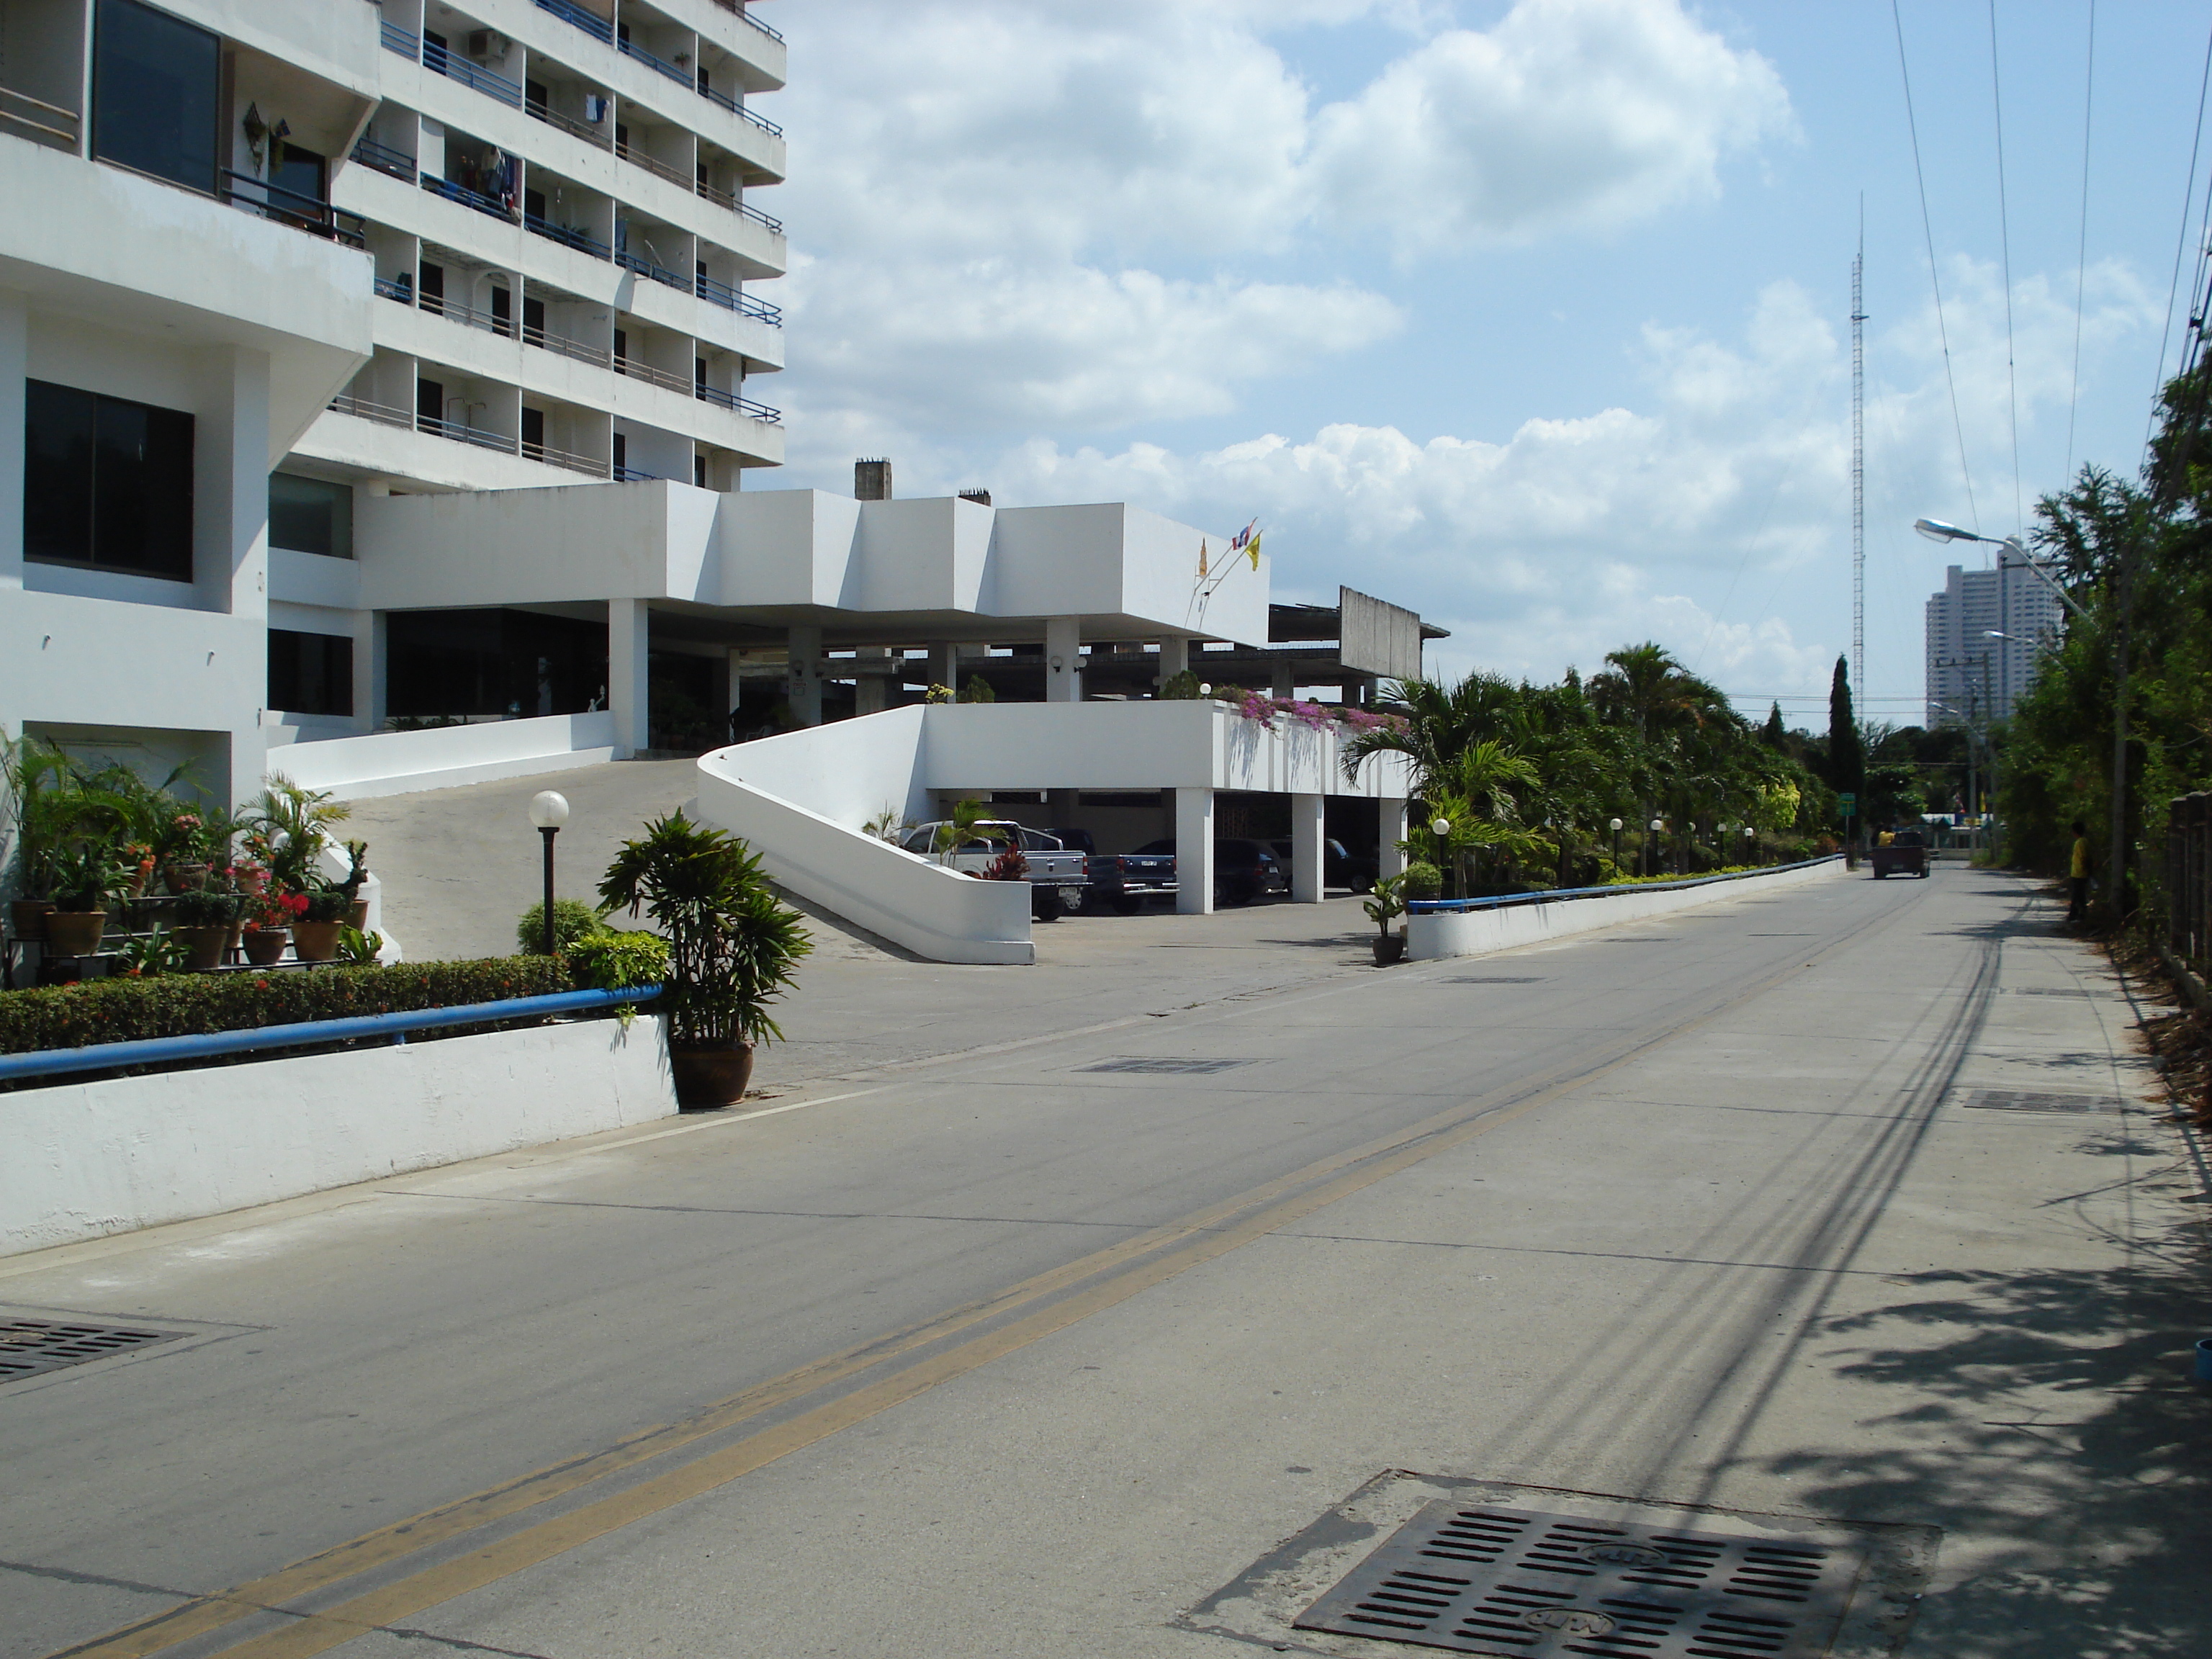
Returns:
(1858, 460)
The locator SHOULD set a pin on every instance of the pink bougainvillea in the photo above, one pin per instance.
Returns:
(1315, 716)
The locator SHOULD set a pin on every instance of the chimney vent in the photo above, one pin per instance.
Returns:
(871, 481)
(980, 497)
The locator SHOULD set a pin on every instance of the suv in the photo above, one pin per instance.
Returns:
(1338, 868)
(1243, 870)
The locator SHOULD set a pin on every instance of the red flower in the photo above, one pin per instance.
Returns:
(260, 984)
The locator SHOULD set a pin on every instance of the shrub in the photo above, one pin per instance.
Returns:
(201, 906)
(612, 961)
(328, 904)
(978, 689)
(573, 921)
(130, 1010)
(1179, 687)
(1423, 880)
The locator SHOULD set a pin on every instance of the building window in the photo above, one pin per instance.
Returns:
(155, 81)
(310, 515)
(106, 482)
(310, 673)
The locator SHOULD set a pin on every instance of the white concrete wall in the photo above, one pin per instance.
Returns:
(1438, 935)
(84, 1160)
(396, 762)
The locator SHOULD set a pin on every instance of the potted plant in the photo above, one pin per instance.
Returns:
(84, 879)
(139, 859)
(184, 862)
(269, 925)
(356, 872)
(1384, 906)
(315, 929)
(204, 916)
(732, 950)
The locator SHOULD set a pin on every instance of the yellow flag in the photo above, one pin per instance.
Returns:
(1201, 558)
(1253, 548)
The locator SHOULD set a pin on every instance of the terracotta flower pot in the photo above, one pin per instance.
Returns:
(74, 932)
(185, 877)
(28, 917)
(265, 945)
(316, 941)
(203, 946)
(357, 918)
(710, 1075)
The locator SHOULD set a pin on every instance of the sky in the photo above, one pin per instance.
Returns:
(1533, 316)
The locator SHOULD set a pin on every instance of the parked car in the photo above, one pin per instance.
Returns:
(1057, 878)
(1339, 867)
(1243, 870)
(1076, 840)
(1125, 880)
(1905, 855)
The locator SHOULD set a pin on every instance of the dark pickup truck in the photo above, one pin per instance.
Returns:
(1125, 880)
(1905, 855)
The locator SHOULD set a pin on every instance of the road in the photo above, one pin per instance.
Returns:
(963, 1346)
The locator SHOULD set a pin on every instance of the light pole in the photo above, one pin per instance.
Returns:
(1651, 847)
(1440, 828)
(1616, 847)
(1750, 845)
(547, 812)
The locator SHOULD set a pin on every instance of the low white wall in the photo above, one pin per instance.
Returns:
(82, 1160)
(1438, 935)
(856, 767)
(396, 763)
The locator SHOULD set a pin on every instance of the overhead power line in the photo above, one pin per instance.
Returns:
(2180, 243)
(2082, 254)
(2004, 245)
(1928, 229)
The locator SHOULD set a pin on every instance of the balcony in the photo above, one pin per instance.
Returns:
(593, 25)
(458, 431)
(259, 196)
(730, 299)
(492, 207)
(385, 159)
(630, 368)
(581, 241)
(22, 116)
(712, 95)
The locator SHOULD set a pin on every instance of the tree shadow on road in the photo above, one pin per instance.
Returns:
(2055, 1435)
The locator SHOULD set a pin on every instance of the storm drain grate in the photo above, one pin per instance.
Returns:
(1521, 1582)
(2027, 1100)
(31, 1348)
(1139, 1063)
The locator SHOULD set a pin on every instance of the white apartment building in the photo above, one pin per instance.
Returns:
(265, 262)
(1987, 631)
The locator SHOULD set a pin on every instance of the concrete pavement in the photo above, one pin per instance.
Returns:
(993, 1353)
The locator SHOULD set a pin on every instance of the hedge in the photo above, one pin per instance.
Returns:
(188, 1005)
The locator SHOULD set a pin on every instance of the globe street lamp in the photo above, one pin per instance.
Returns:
(1750, 844)
(1616, 847)
(1440, 828)
(547, 812)
(1651, 847)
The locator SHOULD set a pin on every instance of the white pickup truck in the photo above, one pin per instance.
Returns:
(1057, 878)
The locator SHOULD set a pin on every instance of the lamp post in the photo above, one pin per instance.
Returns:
(1750, 845)
(547, 812)
(1440, 828)
(1651, 847)
(1616, 847)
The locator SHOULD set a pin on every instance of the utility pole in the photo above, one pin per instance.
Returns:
(2124, 586)
(1858, 457)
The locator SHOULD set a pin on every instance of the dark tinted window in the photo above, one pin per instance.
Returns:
(310, 673)
(310, 515)
(154, 80)
(108, 482)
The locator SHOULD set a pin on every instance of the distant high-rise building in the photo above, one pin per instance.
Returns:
(1987, 631)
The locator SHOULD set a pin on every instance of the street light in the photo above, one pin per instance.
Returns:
(547, 812)
(1936, 530)
(1616, 847)
(1750, 843)
(1651, 847)
(1440, 828)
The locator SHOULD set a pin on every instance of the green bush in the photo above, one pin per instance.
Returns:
(1423, 880)
(1179, 687)
(131, 1009)
(609, 961)
(572, 920)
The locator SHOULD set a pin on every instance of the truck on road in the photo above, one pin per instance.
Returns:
(1906, 854)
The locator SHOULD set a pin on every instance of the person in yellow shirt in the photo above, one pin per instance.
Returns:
(2077, 877)
(1888, 838)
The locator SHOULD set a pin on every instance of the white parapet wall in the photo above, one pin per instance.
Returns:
(83, 1159)
(399, 762)
(1436, 935)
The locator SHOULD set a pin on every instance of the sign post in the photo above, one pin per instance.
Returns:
(1849, 806)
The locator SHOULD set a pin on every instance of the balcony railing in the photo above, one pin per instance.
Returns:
(41, 123)
(385, 159)
(731, 299)
(767, 221)
(631, 49)
(289, 207)
(580, 240)
(441, 61)
(638, 158)
(382, 414)
(645, 267)
(630, 368)
(634, 475)
(469, 199)
(744, 16)
(568, 458)
(730, 400)
(403, 41)
(560, 346)
(595, 136)
(470, 317)
(389, 289)
(462, 432)
(590, 22)
(739, 109)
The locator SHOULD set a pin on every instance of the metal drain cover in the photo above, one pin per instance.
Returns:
(1521, 1581)
(2027, 1100)
(1139, 1063)
(32, 1347)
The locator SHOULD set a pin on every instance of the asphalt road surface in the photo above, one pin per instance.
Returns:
(1041, 1305)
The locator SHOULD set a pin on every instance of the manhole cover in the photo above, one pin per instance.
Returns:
(1521, 1581)
(1497, 979)
(2027, 1100)
(1138, 1063)
(31, 1348)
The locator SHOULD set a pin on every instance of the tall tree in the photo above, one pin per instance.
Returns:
(1846, 753)
(1772, 733)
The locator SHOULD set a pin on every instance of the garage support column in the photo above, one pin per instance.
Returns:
(1283, 687)
(1391, 862)
(869, 691)
(1063, 659)
(627, 662)
(15, 369)
(804, 688)
(945, 664)
(1174, 657)
(371, 655)
(1194, 839)
(1306, 829)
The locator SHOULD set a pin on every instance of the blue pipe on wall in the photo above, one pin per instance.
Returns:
(1434, 907)
(109, 1056)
